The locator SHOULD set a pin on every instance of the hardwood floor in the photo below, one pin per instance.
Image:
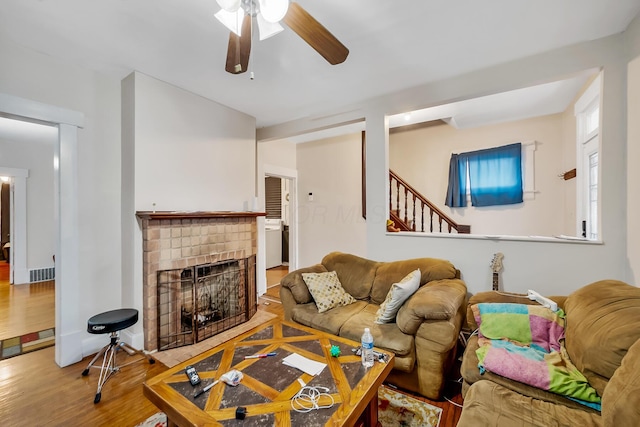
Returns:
(32, 308)
(25, 308)
(275, 274)
(34, 391)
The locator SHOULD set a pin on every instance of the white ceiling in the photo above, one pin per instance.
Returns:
(393, 45)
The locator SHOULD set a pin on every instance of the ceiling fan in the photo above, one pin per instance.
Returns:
(237, 15)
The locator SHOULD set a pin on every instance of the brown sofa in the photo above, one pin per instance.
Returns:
(602, 339)
(427, 326)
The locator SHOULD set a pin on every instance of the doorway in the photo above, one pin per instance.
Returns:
(67, 320)
(287, 221)
(27, 285)
(277, 231)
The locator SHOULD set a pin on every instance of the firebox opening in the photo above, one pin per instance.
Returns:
(196, 303)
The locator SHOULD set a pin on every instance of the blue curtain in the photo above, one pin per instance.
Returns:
(457, 190)
(495, 177)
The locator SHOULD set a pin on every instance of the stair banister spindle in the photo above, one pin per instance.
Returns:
(431, 220)
(413, 225)
(390, 193)
(397, 197)
(406, 193)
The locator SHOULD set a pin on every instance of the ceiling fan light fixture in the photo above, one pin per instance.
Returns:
(267, 29)
(229, 5)
(231, 20)
(273, 10)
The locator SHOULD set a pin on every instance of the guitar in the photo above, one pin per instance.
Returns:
(496, 266)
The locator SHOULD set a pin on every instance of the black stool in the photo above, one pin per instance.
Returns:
(111, 322)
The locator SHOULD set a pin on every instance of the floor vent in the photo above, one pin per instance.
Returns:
(42, 274)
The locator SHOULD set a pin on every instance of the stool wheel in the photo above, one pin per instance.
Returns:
(85, 372)
(97, 398)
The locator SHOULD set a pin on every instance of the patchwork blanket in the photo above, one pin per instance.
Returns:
(526, 343)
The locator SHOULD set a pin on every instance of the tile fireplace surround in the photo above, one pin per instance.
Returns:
(173, 240)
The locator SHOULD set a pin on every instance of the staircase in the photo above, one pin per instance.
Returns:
(405, 203)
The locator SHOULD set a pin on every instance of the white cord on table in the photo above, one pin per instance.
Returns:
(306, 400)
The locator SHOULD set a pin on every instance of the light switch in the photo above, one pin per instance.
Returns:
(311, 197)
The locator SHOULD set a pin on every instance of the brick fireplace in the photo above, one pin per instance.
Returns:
(179, 241)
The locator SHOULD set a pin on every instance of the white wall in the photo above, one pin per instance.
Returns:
(35, 155)
(277, 153)
(633, 152)
(330, 169)
(633, 171)
(189, 154)
(33, 76)
(549, 267)
(421, 157)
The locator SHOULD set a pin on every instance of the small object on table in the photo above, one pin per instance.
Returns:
(261, 356)
(232, 378)
(335, 351)
(241, 413)
(206, 389)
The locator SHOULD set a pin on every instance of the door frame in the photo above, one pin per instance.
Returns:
(68, 349)
(292, 176)
(18, 272)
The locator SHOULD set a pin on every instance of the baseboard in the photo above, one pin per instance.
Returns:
(20, 276)
(135, 340)
(93, 344)
(69, 348)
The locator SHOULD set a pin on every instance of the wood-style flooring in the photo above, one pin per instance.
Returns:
(34, 391)
(25, 308)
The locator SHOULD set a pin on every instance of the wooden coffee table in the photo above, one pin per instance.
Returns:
(268, 385)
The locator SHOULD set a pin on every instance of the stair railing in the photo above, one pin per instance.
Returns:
(404, 215)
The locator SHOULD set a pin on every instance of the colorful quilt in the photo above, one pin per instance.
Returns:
(526, 343)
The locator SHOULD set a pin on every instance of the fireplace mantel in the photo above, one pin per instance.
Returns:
(196, 214)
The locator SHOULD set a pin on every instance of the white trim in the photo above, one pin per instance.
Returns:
(36, 110)
(19, 226)
(589, 100)
(67, 266)
(589, 95)
(14, 172)
(18, 273)
(68, 323)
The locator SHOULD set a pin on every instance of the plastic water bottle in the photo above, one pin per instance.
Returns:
(367, 348)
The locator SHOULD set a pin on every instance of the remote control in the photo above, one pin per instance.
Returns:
(192, 374)
(544, 301)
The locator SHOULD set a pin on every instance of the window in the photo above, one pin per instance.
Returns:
(494, 177)
(273, 197)
(587, 111)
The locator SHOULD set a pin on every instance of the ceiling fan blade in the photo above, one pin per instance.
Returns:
(317, 36)
(239, 49)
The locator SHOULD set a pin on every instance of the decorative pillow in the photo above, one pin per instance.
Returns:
(397, 295)
(326, 290)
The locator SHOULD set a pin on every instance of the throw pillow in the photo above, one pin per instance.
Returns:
(326, 290)
(397, 295)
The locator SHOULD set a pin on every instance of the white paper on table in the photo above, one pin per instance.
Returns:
(308, 366)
